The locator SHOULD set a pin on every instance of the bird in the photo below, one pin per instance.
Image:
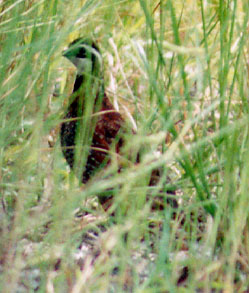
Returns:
(91, 120)
(85, 55)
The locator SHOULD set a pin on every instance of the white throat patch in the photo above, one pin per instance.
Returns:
(83, 65)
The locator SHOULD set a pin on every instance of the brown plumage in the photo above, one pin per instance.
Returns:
(106, 124)
(106, 130)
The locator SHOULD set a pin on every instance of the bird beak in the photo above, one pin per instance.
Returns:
(65, 52)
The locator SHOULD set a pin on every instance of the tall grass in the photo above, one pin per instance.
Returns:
(178, 71)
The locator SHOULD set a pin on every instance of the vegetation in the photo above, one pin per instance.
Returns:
(178, 71)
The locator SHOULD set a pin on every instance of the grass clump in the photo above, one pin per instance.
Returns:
(178, 72)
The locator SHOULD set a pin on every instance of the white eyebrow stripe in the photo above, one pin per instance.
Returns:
(92, 50)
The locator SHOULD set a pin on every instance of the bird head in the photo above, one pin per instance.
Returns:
(85, 55)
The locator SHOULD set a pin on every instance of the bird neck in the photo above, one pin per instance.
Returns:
(98, 85)
(79, 81)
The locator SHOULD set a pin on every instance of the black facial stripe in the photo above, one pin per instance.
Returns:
(83, 52)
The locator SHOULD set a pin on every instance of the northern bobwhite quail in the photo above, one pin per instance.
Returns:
(80, 120)
(90, 117)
